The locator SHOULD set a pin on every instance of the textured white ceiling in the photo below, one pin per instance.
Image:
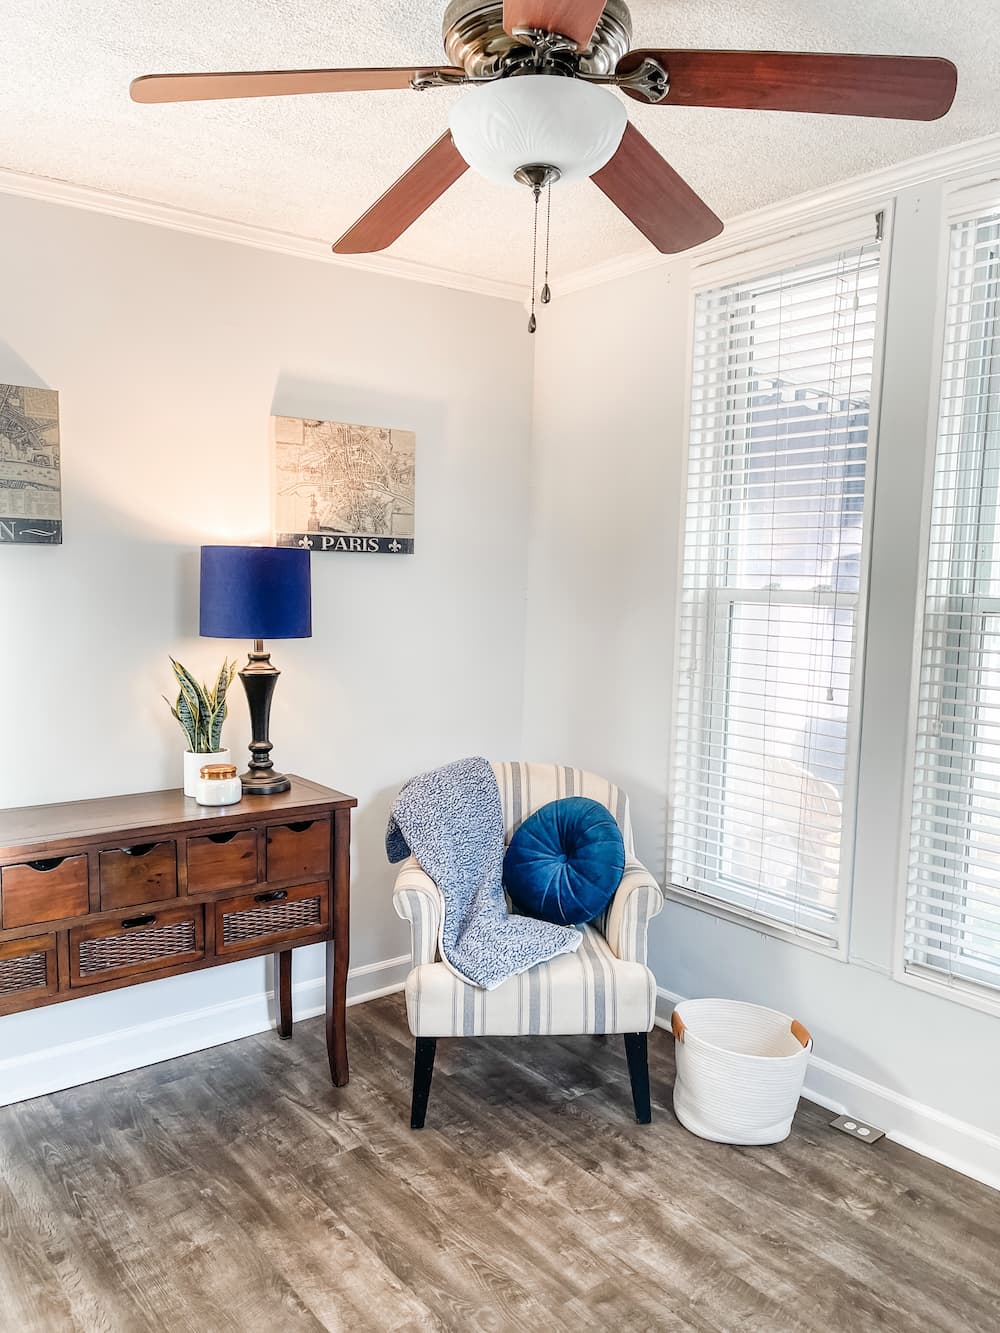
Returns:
(311, 165)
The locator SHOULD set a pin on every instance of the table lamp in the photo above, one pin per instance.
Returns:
(257, 592)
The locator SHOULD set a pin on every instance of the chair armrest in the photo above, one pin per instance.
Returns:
(637, 900)
(417, 899)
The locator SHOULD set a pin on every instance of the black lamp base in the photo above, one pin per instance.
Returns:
(263, 784)
(259, 678)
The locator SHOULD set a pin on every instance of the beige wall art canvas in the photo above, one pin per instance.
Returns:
(30, 492)
(343, 488)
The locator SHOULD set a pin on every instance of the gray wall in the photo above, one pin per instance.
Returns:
(170, 352)
(607, 485)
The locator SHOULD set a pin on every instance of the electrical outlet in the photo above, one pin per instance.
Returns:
(857, 1129)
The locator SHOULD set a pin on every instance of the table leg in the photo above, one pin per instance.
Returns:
(283, 973)
(338, 951)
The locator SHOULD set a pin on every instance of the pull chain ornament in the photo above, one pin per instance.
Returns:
(538, 178)
(536, 190)
(546, 289)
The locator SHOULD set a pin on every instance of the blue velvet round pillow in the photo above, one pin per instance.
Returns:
(565, 862)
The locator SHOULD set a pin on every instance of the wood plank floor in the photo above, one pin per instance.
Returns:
(236, 1190)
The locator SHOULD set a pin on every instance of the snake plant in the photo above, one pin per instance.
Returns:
(201, 711)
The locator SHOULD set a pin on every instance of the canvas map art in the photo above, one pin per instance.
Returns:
(343, 488)
(30, 493)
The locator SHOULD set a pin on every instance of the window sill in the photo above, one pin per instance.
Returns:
(761, 925)
(965, 993)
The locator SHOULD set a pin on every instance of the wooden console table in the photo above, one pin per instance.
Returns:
(97, 895)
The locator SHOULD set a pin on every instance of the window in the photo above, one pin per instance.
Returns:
(772, 585)
(953, 900)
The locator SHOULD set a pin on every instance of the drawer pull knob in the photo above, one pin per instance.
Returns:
(274, 896)
(148, 920)
(50, 863)
(301, 826)
(140, 849)
(223, 837)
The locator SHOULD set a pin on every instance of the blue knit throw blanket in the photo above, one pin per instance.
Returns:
(451, 819)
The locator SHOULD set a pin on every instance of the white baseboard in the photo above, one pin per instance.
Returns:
(943, 1138)
(954, 1143)
(115, 1052)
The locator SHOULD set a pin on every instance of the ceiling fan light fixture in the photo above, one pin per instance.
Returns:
(511, 123)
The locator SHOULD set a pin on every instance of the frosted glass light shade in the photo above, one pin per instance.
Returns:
(537, 119)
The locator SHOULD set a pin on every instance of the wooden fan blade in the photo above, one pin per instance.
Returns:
(404, 202)
(572, 18)
(896, 87)
(275, 83)
(654, 198)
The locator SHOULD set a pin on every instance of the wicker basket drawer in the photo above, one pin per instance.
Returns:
(270, 917)
(27, 970)
(45, 890)
(127, 945)
(222, 861)
(145, 873)
(296, 851)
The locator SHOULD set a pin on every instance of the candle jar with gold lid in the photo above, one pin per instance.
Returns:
(218, 785)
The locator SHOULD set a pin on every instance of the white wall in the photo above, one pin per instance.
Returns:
(607, 485)
(170, 352)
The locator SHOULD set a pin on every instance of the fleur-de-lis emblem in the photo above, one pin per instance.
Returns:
(394, 545)
(306, 543)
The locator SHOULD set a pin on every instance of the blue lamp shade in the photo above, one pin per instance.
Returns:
(255, 592)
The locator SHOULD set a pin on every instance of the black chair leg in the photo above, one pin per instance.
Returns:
(638, 1072)
(423, 1070)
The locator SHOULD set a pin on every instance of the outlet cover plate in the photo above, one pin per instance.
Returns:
(858, 1129)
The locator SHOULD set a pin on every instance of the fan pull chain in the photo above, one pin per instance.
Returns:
(532, 321)
(546, 289)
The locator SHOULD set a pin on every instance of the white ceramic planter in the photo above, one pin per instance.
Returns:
(192, 768)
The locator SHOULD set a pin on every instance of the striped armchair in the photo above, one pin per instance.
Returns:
(605, 987)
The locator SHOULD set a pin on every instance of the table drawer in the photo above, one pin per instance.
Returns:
(222, 861)
(297, 850)
(270, 916)
(44, 890)
(125, 946)
(144, 873)
(27, 970)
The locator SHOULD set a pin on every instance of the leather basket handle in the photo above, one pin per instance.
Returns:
(677, 1026)
(800, 1033)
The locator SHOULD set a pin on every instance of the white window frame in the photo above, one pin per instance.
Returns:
(859, 227)
(964, 201)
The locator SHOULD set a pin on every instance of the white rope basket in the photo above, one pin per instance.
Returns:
(740, 1070)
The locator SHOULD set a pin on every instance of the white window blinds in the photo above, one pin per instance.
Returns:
(772, 584)
(953, 902)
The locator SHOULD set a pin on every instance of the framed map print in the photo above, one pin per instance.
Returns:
(342, 488)
(30, 491)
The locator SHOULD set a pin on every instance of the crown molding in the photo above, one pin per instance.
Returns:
(131, 209)
(804, 211)
(742, 232)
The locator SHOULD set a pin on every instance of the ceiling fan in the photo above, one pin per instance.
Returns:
(540, 111)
